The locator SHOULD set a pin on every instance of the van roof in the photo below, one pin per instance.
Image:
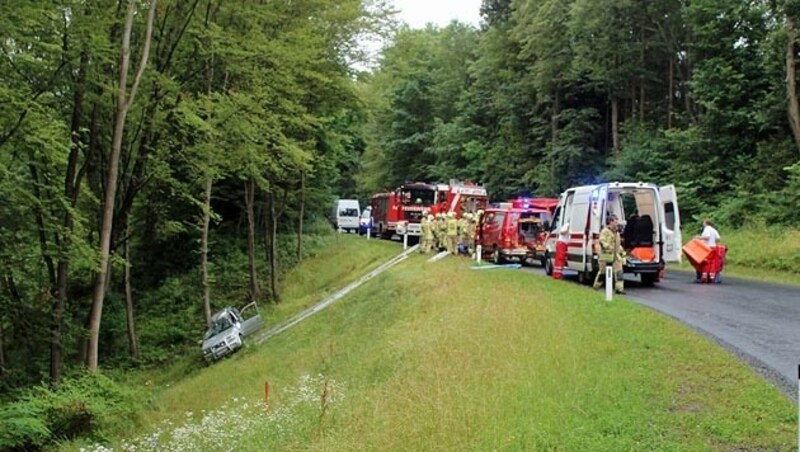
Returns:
(615, 185)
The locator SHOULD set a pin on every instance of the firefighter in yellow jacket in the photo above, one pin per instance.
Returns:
(441, 228)
(611, 253)
(472, 234)
(463, 224)
(452, 233)
(427, 226)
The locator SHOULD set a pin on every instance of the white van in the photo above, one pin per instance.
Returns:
(651, 235)
(346, 215)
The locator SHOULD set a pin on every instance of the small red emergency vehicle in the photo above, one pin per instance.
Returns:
(508, 233)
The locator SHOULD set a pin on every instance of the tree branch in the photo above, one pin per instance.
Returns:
(145, 53)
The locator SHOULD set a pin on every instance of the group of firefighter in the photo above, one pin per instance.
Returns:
(446, 232)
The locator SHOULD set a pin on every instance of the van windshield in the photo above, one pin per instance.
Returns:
(348, 212)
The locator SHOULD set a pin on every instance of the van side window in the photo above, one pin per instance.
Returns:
(669, 215)
(499, 218)
(556, 224)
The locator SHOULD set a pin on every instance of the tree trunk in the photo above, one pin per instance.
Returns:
(249, 199)
(132, 340)
(300, 220)
(791, 82)
(71, 187)
(123, 105)
(272, 246)
(671, 93)
(641, 102)
(555, 113)
(642, 65)
(2, 351)
(204, 253)
(615, 125)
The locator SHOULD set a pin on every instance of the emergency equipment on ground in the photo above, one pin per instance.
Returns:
(707, 261)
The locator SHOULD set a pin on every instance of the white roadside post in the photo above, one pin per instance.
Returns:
(609, 282)
(369, 232)
(478, 253)
(405, 240)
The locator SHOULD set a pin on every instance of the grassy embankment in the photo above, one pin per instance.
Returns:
(341, 260)
(760, 253)
(435, 356)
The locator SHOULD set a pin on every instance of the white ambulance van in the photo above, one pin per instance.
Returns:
(650, 223)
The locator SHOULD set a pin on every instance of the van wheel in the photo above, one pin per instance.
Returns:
(547, 263)
(496, 257)
(584, 278)
(649, 279)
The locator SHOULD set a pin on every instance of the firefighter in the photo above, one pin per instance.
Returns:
(611, 253)
(463, 224)
(472, 229)
(442, 228)
(427, 234)
(452, 233)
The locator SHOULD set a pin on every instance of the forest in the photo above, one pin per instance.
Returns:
(160, 159)
(549, 94)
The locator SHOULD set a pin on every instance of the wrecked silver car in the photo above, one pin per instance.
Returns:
(228, 329)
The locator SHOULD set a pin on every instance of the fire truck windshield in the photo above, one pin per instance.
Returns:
(418, 197)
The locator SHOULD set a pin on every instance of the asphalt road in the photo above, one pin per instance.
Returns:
(759, 322)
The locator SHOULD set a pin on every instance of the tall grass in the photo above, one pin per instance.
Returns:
(435, 356)
(761, 247)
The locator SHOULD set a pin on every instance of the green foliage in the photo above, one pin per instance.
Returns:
(233, 92)
(699, 89)
(87, 405)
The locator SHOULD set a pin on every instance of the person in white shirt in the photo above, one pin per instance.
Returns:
(709, 234)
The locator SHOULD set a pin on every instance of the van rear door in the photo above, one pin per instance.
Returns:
(671, 226)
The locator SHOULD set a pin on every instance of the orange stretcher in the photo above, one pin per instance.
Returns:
(707, 261)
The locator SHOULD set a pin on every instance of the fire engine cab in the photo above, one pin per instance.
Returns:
(400, 211)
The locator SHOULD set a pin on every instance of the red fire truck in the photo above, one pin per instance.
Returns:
(400, 211)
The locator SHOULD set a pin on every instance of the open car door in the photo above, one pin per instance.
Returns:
(673, 240)
(251, 319)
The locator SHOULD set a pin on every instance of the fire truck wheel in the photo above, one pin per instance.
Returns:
(496, 257)
(547, 263)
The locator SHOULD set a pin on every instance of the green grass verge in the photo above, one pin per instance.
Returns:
(757, 252)
(435, 356)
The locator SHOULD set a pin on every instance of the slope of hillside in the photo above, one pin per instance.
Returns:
(436, 356)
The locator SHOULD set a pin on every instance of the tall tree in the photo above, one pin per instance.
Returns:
(124, 101)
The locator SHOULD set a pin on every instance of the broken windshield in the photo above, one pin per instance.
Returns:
(218, 326)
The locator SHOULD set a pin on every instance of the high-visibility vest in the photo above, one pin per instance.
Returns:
(452, 227)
